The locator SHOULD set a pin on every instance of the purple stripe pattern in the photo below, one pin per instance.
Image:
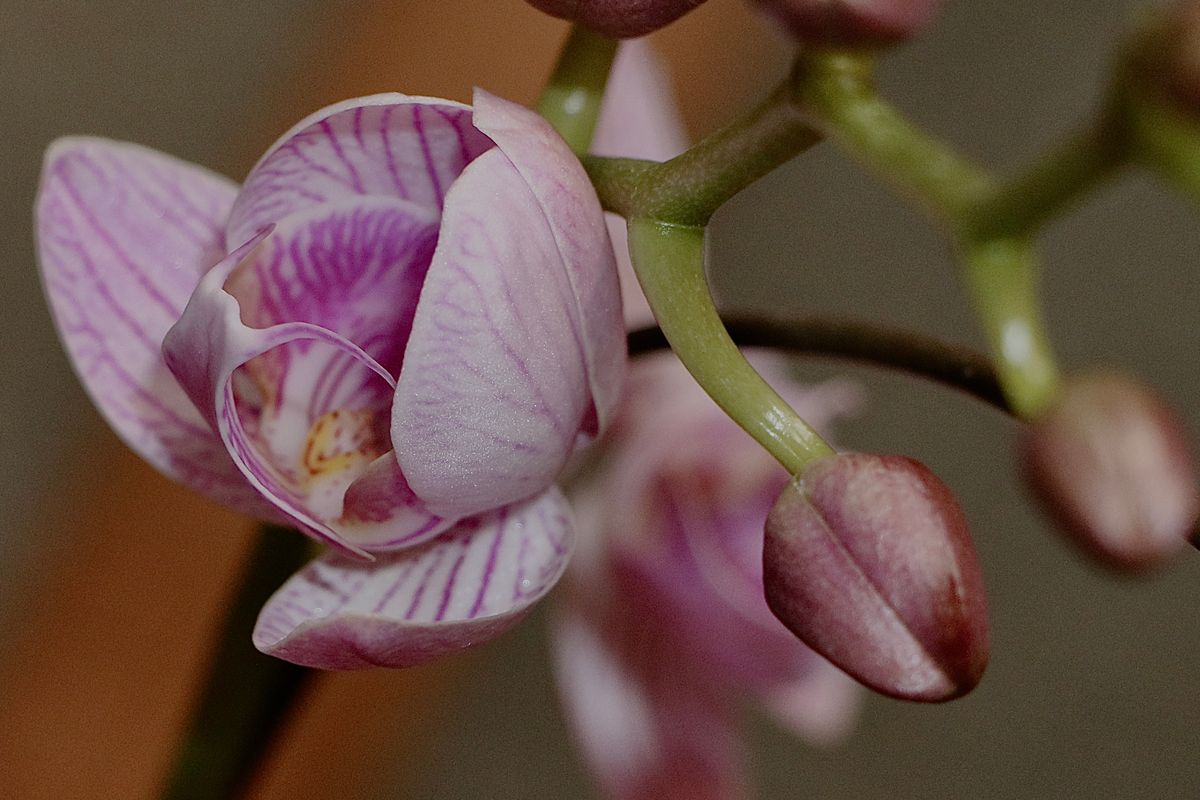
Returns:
(504, 341)
(388, 145)
(393, 337)
(116, 284)
(466, 586)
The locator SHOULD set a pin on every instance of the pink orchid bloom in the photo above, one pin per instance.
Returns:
(666, 625)
(393, 336)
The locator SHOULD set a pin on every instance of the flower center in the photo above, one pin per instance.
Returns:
(340, 440)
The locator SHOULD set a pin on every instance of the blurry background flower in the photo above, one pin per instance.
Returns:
(665, 626)
(1091, 689)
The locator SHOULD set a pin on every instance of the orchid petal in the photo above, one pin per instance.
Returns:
(649, 726)
(492, 393)
(566, 197)
(124, 234)
(465, 587)
(389, 145)
(820, 704)
(639, 117)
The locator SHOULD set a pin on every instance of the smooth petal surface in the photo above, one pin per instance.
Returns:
(465, 587)
(389, 145)
(650, 727)
(558, 182)
(639, 117)
(493, 391)
(124, 235)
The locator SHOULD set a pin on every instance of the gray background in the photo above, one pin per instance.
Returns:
(1090, 692)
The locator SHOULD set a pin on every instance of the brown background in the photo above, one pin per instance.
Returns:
(110, 578)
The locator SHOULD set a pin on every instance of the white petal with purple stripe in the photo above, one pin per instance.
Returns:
(387, 145)
(124, 234)
(463, 588)
(493, 391)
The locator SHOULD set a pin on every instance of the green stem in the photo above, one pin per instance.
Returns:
(571, 100)
(1167, 141)
(837, 91)
(688, 189)
(246, 696)
(669, 260)
(1001, 277)
(1022, 204)
(992, 220)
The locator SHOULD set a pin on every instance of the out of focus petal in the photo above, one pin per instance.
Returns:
(650, 727)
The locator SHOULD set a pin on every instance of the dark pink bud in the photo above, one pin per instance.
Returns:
(868, 560)
(1110, 461)
(620, 19)
(851, 23)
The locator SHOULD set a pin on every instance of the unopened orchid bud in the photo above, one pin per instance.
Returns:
(851, 23)
(620, 19)
(1110, 461)
(868, 560)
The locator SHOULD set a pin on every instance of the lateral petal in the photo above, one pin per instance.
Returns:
(493, 391)
(389, 145)
(650, 726)
(562, 189)
(124, 234)
(465, 587)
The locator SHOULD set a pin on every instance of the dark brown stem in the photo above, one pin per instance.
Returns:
(951, 365)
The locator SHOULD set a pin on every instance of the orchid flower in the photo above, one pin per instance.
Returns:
(392, 336)
(666, 624)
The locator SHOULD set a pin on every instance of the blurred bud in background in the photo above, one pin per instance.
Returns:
(1167, 55)
(850, 23)
(868, 560)
(1110, 461)
(620, 19)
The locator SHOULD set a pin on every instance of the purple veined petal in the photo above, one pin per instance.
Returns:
(389, 145)
(205, 350)
(649, 724)
(124, 234)
(572, 211)
(356, 269)
(493, 391)
(465, 587)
